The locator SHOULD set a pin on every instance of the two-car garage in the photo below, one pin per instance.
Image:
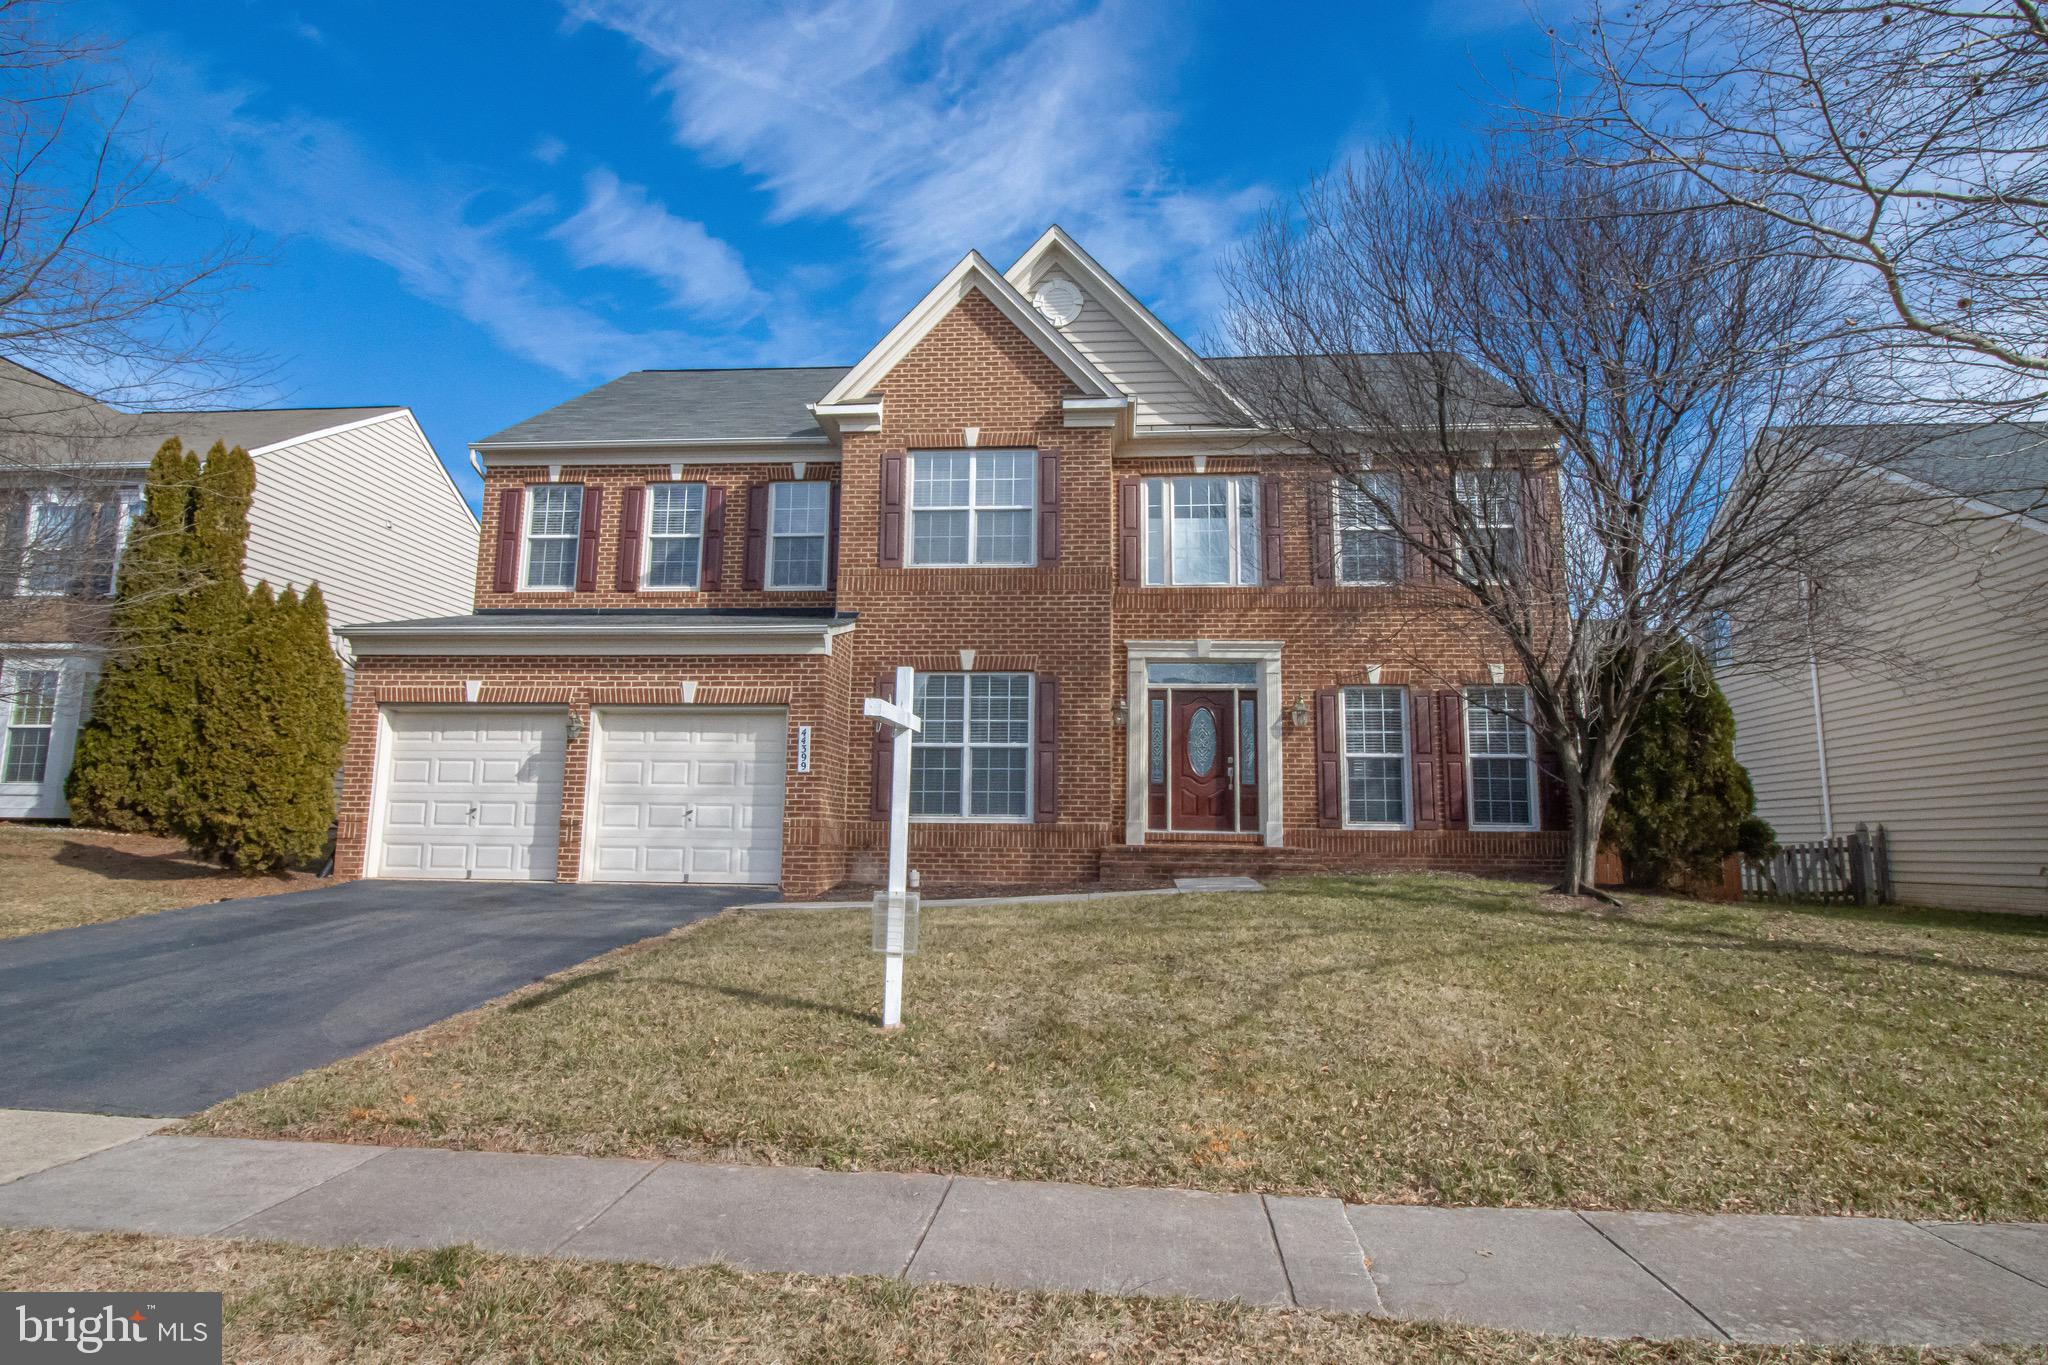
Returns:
(674, 794)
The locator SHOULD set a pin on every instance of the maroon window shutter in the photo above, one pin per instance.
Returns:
(1415, 515)
(1130, 532)
(1423, 743)
(632, 510)
(889, 534)
(757, 537)
(832, 546)
(586, 543)
(882, 752)
(1555, 797)
(1450, 705)
(511, 516)
(1045, 798)
(1329, 760)
(1272, 568)
(1049, 507)
(1322, 557)
(714, 539)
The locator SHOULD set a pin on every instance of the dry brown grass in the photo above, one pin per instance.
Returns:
(290, 1304)
(56, 877)
(1398, 1039)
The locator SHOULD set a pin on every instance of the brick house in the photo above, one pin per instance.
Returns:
(1144, 643)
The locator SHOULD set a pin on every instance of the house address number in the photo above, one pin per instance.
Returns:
(803, 748)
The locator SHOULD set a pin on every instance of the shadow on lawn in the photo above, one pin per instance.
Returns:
(768, 998)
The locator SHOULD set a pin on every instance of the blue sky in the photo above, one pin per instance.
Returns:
(482, 217)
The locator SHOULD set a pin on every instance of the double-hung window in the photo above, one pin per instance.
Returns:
(1368, 543)
(1375, 756)
(675, 535)
(1502, 762)
(65, 544)
(1490, 500)
(972, 759)
(973, 507)
(554, 519)
(799, 526)
(31, 714)
(1202, 531)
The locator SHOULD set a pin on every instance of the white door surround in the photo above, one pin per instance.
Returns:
(1272, 715)
(467, 793)
(685, 794)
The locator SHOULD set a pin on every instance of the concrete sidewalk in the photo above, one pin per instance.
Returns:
(1742, 1278)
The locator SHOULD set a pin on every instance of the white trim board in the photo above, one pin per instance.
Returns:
(1272, 715)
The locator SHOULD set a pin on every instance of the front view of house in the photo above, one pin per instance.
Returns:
(1144, 642)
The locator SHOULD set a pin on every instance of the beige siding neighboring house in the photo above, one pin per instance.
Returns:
(352, 498)
(1953, 759)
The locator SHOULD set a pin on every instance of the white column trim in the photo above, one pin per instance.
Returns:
(1137, 729)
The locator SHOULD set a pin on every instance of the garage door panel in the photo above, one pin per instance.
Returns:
(689, 796)
(472, 795)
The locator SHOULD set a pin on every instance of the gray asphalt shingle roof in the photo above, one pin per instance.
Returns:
(694, 405)
(2001, 463)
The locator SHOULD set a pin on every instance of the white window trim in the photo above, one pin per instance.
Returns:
(1475, 506)
(768, 539)
(575, 539)
(1528, 762)
(1407, 756)
(1341, 492)
(966, 747)
(1234, 531)
(11, 676)
(973, 511)
(127, 497)
(647, 537)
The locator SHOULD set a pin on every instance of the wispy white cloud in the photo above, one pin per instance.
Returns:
(301, 175)
(549, 149)
(937, 127)
(620, 226)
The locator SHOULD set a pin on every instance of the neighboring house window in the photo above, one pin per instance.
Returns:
(1202, 530)
(973, 507)
(59, 544)
(1491, 499)
(554, 516)
(675, 535)
(972, 759)
(1376, 756)
(1368, 545)
(1503, 769)
(799, 520)
(32, 712)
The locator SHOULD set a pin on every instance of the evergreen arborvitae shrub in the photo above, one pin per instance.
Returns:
(1681, 802)
(135, 751)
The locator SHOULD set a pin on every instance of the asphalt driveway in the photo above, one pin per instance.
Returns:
(165, 1014)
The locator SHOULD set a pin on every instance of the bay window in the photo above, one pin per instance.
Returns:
(1501, 758)
(1376, 756)
(799, 524)
(554, 518)
(1368, 543)
(973, 508)
(1202, 531)
(972, 759)
(675, 535)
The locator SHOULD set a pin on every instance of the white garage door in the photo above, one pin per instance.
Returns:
(472, 794)
(687, 795)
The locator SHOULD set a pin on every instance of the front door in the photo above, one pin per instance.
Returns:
(1204, 756)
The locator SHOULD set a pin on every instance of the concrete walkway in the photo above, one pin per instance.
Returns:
(1751, 1279)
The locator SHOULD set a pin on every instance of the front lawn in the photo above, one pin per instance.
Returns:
(1397, 1039)
(293, 1304)
(57, 877)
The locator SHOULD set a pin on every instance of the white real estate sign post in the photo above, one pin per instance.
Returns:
(895, 906)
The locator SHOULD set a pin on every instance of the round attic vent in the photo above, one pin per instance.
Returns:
(1059, 299)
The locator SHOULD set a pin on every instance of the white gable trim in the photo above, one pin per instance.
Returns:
(1135, 316)
(973, 272)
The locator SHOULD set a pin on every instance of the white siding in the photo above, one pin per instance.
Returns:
(370, 514)
(1955, 762)
(1160, 395)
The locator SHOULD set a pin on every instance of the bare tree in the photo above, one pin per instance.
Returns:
(1564, 406)
(83, 296)
(1907, 138)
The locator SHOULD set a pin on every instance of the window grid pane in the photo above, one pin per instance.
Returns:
(553, 515)
(972, 757)
(675, 531)
(1368, 543)
(974, 508)
(798, 515)
(1498, 738)
(1376, 753)
(28, 738)
(1202, 531)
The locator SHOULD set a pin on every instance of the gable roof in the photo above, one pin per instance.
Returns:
(676, 407)
(972, 273)
(2001, 464)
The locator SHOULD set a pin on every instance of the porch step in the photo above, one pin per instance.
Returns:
(1150, 864)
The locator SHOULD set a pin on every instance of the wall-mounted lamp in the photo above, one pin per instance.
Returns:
(1299, 714)
(1120, 713)
(575, 727)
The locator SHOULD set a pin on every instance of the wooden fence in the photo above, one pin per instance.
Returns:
(1849, 869)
